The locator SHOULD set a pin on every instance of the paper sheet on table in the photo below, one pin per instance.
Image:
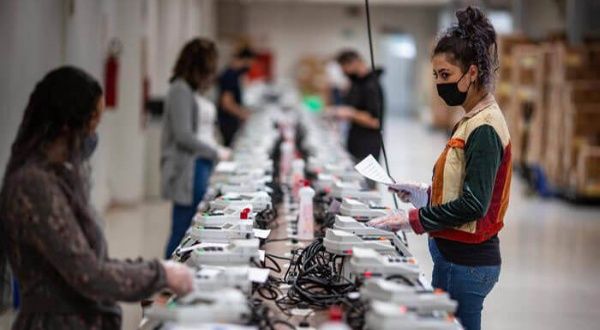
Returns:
(210, 271)
(261, 233)
(370, 168)
(226, 167)
(258, 275)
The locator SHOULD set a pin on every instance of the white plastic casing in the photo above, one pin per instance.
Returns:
(213, 278)
(241, 229)
(355, 208)
(354, 190)
(220, 217)
(363, 231)
(387, 316)
(368, 261)
(259, 201)
(342, 242)
(238, 252)
(222, 306)
(353, 226)
(409, 296)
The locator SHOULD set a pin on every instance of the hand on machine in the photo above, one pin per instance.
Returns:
(224, 154)
(180, 278)
(395, 220)
(415, 193)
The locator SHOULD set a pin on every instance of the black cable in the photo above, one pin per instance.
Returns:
(278, 257)
(315, 280)
(261, 316)
(271, 258)
(404, 279)
(367, 7)
(273, 240)
(379, 108)
(263, 264)
(355, 313)
(385, 158)
(286, 323)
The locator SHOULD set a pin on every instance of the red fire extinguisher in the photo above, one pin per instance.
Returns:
(111, 74)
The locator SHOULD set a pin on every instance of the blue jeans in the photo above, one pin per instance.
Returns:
(468, 285)
(183, 214)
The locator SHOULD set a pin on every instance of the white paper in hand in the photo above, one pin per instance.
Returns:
(370, 168)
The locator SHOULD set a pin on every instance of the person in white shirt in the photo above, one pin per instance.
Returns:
(206, 128)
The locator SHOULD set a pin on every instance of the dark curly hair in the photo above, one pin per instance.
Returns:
(197, 63)
(471, 41)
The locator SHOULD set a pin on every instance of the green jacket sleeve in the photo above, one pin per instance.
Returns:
(483, 154)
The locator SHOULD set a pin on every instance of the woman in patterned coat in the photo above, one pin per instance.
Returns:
(49, 234)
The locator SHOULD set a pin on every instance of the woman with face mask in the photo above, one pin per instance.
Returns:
(463, 209)
(187, 154)
(48, 230)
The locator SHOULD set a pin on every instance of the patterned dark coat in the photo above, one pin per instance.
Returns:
(58, 253)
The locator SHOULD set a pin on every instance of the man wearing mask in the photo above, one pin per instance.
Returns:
(231, 110)
(363, 106)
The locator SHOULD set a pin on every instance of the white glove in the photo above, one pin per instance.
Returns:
(180, 278)
(394, 221)
(415, 193)
(223, 153)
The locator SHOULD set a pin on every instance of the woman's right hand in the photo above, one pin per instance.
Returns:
(224, 154)
(395, 220)
(415, 193)
(180, 278)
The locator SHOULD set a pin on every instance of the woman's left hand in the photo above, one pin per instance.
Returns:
(224, 154)
(394, 221)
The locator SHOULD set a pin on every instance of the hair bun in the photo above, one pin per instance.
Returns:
(472, 22)
(469, 17)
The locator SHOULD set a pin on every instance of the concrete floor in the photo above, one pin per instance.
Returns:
(550, 249)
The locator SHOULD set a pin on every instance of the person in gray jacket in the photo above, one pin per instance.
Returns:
(186, 161)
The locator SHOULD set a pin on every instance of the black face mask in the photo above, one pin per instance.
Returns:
(353, 76)
(88, 145)
(450, 93)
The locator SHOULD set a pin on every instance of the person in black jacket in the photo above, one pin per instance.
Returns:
(363, 106)
(232, 112)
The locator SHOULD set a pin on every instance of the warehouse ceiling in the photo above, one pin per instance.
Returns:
(357, 2)
(485, 3)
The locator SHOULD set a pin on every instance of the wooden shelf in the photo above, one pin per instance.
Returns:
(551, 100)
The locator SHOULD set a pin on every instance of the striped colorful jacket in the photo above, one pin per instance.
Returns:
(449, 179)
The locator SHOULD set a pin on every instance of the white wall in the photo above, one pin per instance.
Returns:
(84, 44)
(295, 30)
(25, 56)
(175, 22)
(171, 23)
(127, 153)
